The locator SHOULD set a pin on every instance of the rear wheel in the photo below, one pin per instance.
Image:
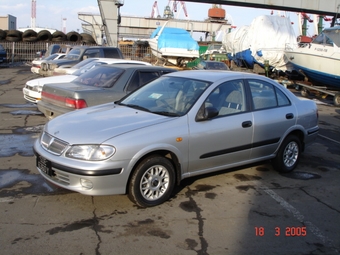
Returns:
(288, 155)
(337, 99)
(152, 182)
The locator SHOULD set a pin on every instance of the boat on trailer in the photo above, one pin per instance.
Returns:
(318, 60)
(174, 46)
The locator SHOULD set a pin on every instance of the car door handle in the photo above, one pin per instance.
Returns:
(247, 124)
(289, 116)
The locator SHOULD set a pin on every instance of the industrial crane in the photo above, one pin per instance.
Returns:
(155, 11)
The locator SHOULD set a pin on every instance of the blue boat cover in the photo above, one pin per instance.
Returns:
(172, 37)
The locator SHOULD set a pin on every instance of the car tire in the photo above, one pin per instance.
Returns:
(152, 181)
(288, 155)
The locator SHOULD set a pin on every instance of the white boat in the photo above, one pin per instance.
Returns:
(173, 45)
(319, 60)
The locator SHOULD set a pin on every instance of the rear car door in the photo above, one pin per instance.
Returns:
(273, 116)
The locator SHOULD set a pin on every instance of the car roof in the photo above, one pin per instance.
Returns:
(118, 60)
(213, 75)
(138, 66)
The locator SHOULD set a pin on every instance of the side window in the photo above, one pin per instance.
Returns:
(263, 94)
(91, 53)
(282, 98)
(146, 77)
(112, 53)
(228, 98)
(140, 79)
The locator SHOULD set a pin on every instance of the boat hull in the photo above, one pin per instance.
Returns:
(175, 56)
(320, 64)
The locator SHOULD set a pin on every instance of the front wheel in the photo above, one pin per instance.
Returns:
(288, 155)
(152, 181)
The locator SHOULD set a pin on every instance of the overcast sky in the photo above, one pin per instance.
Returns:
(50, 13)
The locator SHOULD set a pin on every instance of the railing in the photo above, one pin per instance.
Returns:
(28, 51)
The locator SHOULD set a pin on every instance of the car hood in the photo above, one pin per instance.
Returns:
(97, 124)
(52, 79)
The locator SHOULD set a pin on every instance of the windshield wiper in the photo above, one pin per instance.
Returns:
(136, 107)
(170, 114)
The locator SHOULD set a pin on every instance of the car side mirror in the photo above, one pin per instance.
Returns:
(206, 113)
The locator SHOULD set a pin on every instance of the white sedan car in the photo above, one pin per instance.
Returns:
(33, 88)
(36, 64)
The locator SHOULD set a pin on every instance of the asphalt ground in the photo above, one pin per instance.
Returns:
(248, 210)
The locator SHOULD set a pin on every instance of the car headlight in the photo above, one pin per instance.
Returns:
(53, 66)
(92, 152)
(37, 88)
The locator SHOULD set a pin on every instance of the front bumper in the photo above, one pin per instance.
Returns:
(88, 178)
(31, 96)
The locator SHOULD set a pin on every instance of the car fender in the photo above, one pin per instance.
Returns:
(154, 149)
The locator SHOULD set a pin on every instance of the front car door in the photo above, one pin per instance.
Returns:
(224, 140)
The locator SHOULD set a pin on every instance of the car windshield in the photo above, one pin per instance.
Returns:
(217, 66)
(87, 67)
(83, 63)
(170, 96)
(51, 57)
(100, 76)
(73, 54)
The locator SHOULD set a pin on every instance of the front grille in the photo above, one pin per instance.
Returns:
(52, 144)
(31, 99)
(44, 67)
(50, 66)
(62, 177)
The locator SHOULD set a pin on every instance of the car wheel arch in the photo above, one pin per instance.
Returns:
(172, 157)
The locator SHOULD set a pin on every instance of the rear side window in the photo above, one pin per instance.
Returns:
(100, 77)
(266, 95)
(140, 79)
(112, 53)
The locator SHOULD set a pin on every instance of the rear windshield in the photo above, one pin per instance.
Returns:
(101, 76)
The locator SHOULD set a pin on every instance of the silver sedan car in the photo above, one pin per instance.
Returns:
(180, 125)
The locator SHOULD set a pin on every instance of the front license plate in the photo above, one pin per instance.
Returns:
(44, 165)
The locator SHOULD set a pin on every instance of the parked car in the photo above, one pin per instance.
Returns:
(211, 65)
(32, 89)
(78, 54)
(36, 63)
(182, 124)
(3, 55)
(100, 85)
(62, 71)
(54, 48)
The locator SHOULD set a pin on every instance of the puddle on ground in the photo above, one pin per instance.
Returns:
(26, 112)
(11, 144)
(14, 181)
(301, 175)
(4, 82)
(28, 130)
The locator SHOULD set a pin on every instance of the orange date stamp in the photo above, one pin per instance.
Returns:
(288, 231)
